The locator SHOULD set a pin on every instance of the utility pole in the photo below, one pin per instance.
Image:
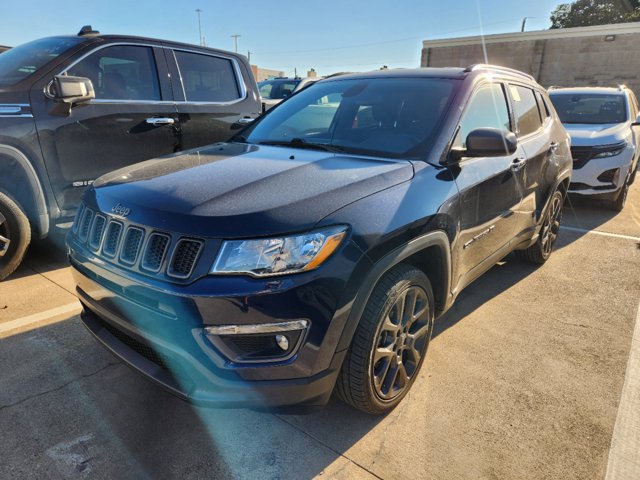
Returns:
(524, 22)
(198, 11)
(235, 37)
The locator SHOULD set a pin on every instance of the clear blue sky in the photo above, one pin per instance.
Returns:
(328, 35)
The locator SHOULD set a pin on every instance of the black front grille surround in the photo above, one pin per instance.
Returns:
(135, 247)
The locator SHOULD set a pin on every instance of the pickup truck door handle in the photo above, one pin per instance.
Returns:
(158, 121)
(518, 163)
(245, 120)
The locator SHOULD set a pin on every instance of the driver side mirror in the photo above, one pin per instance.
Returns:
(72, 90)
(637, 122)
(489, 142)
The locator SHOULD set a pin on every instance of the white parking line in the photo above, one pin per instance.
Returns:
(624, 452)
(598, 232)
(39, 317)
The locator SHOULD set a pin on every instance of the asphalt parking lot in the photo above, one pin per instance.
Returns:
(523, 379)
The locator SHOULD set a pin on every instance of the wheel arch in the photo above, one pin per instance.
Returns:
(16, 169)
(430, 253)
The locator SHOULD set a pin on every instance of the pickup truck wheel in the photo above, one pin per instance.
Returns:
(540, 251)
(15, 235)
(390, 342)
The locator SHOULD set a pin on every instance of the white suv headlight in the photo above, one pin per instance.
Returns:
(610, 153)
(278, 256)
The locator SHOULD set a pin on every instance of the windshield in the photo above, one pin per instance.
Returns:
(590, 108)
(277, 89)
(394, 117)
(18, 63)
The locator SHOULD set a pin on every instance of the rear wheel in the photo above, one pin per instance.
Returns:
(390, 342)
(540, 251)
(15, 235)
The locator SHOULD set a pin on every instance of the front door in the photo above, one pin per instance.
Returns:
(133, 118)
(490, 187)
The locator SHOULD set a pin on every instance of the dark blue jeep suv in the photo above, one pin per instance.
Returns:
(315, 249)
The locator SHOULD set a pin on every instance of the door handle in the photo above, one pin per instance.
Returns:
(518, 163)
(553, 146)
(245, 120)
(158, 121)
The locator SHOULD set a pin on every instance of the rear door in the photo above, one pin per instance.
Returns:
(216, 95)
(536, 135)
(133, 118)
(490, 189)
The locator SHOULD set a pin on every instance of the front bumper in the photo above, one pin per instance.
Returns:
(159, 330)
(587, 180)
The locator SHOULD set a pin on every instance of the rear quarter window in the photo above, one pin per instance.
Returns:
(526, 110)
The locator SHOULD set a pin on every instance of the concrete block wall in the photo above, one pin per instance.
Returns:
(588, 60)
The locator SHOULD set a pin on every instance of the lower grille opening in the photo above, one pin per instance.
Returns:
(139, 347)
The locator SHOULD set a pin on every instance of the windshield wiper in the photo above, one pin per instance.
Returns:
(301, 143)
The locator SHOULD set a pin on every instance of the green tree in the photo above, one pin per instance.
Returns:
(583, 13)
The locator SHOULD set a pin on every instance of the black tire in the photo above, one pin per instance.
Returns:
(14, 226)
(539, 252)
(357, 384)
(619, 203)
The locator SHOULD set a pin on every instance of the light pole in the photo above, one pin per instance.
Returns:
(235, 37)
(524, 22)
(198, 11)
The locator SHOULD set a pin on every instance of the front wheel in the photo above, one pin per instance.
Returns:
(390, 342)
(539, 252)
(15, 235)
(619, 203)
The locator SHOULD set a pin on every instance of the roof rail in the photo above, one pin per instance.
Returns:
(486, 66)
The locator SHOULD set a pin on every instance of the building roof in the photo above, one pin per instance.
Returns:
(596, 30)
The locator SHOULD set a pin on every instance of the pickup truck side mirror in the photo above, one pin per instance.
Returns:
(490, 142)
(72, 90)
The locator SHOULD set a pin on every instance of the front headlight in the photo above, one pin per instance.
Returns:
(610, 153)
(278, 256)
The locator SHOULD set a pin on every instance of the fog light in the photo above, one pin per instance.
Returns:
(283, 342)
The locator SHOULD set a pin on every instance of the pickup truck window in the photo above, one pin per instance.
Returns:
(20, 62)
(487, 109)
(121, 72)
(206, 78)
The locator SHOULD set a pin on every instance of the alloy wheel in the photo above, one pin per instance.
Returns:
(402, 337)
(552, 225)
(4, 235)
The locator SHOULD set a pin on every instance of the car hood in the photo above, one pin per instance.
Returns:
(587, 135)
(239, 190)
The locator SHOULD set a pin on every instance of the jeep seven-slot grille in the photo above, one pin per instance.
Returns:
(184, 258)
(155, 252)
(137, 248)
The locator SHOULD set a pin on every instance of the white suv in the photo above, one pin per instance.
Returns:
(603, 125)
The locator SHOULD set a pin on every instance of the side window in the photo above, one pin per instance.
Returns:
(206, 78)
(542, 106)
(121, 72)
(526, 109)
(486, 109)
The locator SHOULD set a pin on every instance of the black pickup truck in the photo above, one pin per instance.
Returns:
(75, 107)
